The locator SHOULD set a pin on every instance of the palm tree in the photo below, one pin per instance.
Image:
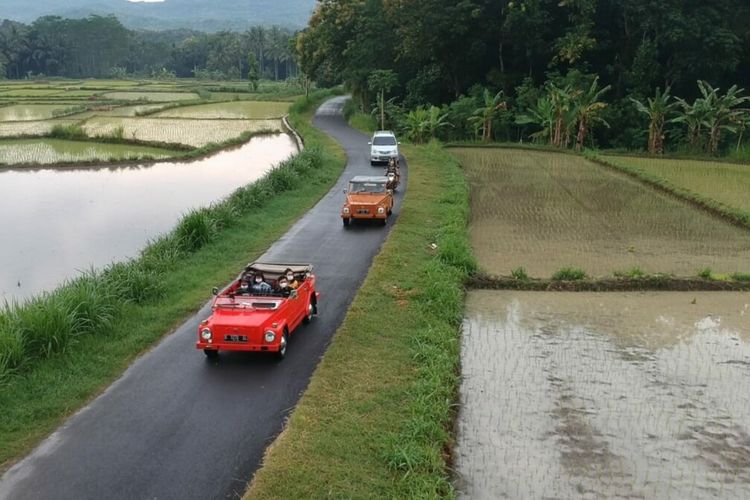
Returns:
(486, 114)
(658, 110)
(588, 108)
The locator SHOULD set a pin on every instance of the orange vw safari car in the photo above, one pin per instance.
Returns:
(367, 199)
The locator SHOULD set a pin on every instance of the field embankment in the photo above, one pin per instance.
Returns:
(376, 418)
(61, 349)
(547, 212)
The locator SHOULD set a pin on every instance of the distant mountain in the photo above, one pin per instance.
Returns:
(206, 15)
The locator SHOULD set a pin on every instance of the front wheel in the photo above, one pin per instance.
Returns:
(310, 313)
(384, 221)
(346, 221)
(281, 353)
(211, 353)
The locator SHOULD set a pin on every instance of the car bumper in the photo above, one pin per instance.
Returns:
(235, 346)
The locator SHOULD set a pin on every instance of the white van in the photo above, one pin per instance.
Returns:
(383, 147)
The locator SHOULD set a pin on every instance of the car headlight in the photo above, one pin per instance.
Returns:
(381, 210)
(269, 336)
(345, 210)
(206, 334)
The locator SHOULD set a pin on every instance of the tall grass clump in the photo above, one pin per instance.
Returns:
(68, 132)
(740, 276)
(569, 274)
(519, 274)
(197, 228)
(706, 273)
(135, 281)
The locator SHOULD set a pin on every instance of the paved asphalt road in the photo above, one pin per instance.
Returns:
(177, 426)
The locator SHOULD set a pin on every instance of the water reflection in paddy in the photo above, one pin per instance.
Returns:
(54, 223)
(640, 395)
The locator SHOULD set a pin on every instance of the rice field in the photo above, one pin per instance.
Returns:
(32, 112)
(30, 128)
(32, 108)
(608, 395)
(544, 211)
(726, 183)
(50, 151)
(150, 96)
(231, 110)
(195, 133)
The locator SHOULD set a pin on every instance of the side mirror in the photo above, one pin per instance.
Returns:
(293, 294)
(399, 143)
(215, 291)
(369, 143)
(344, 190)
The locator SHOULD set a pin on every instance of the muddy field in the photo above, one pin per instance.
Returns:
(545, 211)
(572, 395)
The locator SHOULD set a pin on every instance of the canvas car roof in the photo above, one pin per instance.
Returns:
(277, 268)
(369, 178)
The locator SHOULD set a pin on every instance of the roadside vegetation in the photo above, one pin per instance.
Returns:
(61, 348)
(376, 419)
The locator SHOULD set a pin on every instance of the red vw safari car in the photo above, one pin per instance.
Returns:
(260, 318)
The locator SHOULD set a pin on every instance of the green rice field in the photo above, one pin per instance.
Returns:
(31, 112)
(50, 151)
(150, 96)
(546, 211)
(727, 183)
(190, 132)
(232, 110)
(150, 111)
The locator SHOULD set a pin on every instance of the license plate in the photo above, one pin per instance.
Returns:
(363, 212)
(235, 338)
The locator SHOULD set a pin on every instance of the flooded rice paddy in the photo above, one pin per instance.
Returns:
(545, 211)
(586, 395)
(57, 222)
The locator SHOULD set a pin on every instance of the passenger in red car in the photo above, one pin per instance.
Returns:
(293, 283)
(284, 289)
(260, 286)
(244, 288)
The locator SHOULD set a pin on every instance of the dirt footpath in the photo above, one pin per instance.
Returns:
(588, 395)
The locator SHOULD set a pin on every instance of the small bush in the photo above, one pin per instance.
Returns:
(520, 274)
(133, 282)
(569, 274)
(705, 273)
(740, 276)
(68, 132)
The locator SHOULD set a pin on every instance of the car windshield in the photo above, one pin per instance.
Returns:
(384, 140)
(366, 187)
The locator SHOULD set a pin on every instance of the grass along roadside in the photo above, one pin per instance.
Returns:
(59, 350)
(375, 420)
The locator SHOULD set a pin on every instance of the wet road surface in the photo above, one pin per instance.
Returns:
(177, 426)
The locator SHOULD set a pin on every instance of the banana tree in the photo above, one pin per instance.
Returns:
(415, 125)
(436, 120)
(722, 112)
(658, 109)
(562, 99)
(485, 115)
(382, 81)
(588, 108)
(542, 115)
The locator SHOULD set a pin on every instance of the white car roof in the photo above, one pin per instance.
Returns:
(383, 132)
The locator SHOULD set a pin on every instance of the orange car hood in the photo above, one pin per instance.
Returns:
(366, 199)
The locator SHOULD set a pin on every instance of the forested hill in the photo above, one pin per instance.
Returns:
(212, 15)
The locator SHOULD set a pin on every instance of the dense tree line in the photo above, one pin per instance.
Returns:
(446, 54)
(99, 46)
